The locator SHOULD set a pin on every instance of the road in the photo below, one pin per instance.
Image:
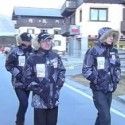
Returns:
(76, 105)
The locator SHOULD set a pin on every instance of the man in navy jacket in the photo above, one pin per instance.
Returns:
(102, 68)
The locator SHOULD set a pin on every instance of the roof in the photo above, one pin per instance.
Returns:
(105, 1)
(31, 11)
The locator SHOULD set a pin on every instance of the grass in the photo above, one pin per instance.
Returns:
(119, 91)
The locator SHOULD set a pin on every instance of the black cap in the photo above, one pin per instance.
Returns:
(44, 36)
(26, 37)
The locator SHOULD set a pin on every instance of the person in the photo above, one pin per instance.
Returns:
(101, 66)
(14, 64)
(44, 75)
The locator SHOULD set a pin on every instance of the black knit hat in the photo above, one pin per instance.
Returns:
(44, 36)
(26, 37)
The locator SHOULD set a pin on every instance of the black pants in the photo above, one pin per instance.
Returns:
(23, 96)
(45, 116)
(102, 103)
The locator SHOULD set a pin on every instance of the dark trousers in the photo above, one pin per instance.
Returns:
(23, 96)
(102, 103)
(45, 116)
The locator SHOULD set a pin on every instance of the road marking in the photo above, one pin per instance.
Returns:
(89, 97)
(70, 67)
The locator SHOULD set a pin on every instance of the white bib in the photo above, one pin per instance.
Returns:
(40, 69)
(100, 62)
(21, 60)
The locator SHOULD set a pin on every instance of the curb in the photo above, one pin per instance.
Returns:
(121, 99)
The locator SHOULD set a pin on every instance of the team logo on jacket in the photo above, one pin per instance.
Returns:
(20, 52)
(113, 55)
(55, 62)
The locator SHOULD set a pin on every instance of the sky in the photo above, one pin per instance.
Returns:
(6, 6)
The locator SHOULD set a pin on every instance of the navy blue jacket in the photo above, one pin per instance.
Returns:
(15, 62)
(45, 86)
(102, 67)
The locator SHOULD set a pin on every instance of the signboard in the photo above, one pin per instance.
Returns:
(74, 30)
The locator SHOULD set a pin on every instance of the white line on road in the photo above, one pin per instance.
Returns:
(89, 97)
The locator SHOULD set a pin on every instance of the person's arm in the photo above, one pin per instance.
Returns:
(61, 74)
(117, 67)
(29, 76)
(88, 69)
(11, 64)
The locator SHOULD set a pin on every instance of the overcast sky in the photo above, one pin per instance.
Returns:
(6, 6)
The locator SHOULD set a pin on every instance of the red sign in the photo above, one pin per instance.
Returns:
(74, 30)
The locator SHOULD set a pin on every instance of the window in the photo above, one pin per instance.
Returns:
(40, 21)
(57, 43)
(98, 14)
(44, 21)
(57, 31)
(30, 20)
(43, 30)
(80, 16)
(57, 21)
(31, 31)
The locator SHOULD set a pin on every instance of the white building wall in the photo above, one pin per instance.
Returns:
(91, 27)
(62, 47)
(24, 29)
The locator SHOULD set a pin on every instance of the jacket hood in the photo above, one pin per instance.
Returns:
(105, 32)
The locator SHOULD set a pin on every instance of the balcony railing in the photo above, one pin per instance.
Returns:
(68, 8)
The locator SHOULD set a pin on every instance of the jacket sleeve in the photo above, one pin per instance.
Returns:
(11, 64)
(61, 74)
(117, 70)
(88, 70)
(29, 76)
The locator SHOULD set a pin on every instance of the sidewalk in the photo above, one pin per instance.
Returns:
(72, 62)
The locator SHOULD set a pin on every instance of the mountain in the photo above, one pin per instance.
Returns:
(6, 26)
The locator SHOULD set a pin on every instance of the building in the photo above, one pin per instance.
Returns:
(83, 18)
(35, 20)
